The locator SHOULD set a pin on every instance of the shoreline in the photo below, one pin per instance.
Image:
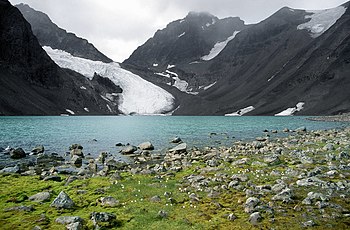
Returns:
(302, 180)
(335, 118)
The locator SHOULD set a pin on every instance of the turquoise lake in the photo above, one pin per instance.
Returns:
(101, 133)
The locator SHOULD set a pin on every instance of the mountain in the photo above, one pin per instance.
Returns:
(49, 34)
(199, 36)
(31, 83)
(129, 92)
(294, 62)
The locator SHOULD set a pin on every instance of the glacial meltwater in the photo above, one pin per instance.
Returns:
(102, 133)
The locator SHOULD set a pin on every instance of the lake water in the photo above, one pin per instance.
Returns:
(58, 133)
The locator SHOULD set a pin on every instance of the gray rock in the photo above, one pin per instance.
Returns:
(77, 161)
(17, 153)
(155, 199)
(285, 196)
(14, 169)
(250, 204)
(114, 164)
(76, 146)
(272, 160)
(20, 208)
(328, 147)
(146, 146)
(259, 164)
(180, 148)
(261, 139)
(312, 197)
(75, 226)
(242, 161)
(69, 220)
(231, 217)
(309, 223)
(130, 149)
(102, 157)
(53, 178)
(193, 197)
(176, 140)
(38, 149)
(301, 129)
(163, 214)
(49, 160)
(109, 201)
(36, 228)
(102, 217)
(255, 218)
(63, 201)
(40, 197)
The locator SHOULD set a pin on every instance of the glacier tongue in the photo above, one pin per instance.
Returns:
(139, 96)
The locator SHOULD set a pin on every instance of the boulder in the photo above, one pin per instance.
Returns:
(17, 153)
(163, 214)
(76, 149)
(102, 217)
(68, 219)
(63, 201)
(255, 218)
(77, 161)
(14, 169)
(75, 146)
(176, 140)
(146, 146)
(102, 157)
(108, 201)
(38, 149)
(40, 197)
(75, 226)
(53, 178)
(179, 148)
(250, 204)
(48, 160)
(155, 199)
(130, 149)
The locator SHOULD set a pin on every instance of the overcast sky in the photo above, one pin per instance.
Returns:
(118, 27)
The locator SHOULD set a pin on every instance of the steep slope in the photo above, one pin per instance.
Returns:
(283, 61)
(177, 55)
(294, 62)
(49, 34)
(31, 83)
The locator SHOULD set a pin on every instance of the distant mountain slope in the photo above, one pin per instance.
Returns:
(49, 34)
(294, 62)
(31, 83)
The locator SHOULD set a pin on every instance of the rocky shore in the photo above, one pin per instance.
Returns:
(337, 118)
(299, 181)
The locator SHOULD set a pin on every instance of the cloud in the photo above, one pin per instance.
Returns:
(117, 28)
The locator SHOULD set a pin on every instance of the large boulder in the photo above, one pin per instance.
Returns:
(77, 161)
(179, 148)
(40, 197)
(49, 160)
(77, 150)
(38, 149)
(130, 149)
(103, 218)
(17, 153)
(63, 201)
(146, 146)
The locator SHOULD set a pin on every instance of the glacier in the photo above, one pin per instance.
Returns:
(321, 20)
(138, 97)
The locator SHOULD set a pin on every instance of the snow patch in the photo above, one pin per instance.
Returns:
(218, 47)
(209, 86)
(163, 74)
(181, 35)
(241, 112)
(171, 66)
(138, 96)
(86, 109)
(155, 65)
(109, 108)
(321, 20)
(82, 87)
(70, 111)
(195, 62)
(212, 23)
(172, 73)
(105, 98)
(291, 111)
(182, 20)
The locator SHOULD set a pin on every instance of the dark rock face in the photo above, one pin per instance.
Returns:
(270, 65)
(31, 83)
(49, 34)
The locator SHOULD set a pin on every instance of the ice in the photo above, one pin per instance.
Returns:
(218, 47)
(155, 65)
(209, 86)
(172, 73)
(86, 109)
(321, 20)
(139, 96)
(70, 111)
(180, 84)
(181, 35)
(291, 111)
(82, 87)
(241, 112)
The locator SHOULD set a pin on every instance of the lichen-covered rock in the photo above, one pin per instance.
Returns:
(63, 201)
(40, 197)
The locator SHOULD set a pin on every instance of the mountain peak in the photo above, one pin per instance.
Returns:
(200, 14)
